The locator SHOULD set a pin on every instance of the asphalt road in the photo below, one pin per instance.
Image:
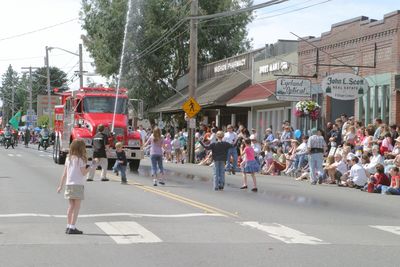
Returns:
(186, 223)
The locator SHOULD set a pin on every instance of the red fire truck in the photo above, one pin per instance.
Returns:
(80, 114)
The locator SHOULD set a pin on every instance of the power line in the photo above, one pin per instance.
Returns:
(156, 45)
(161, 38)
(266, 17)
(38, 30)
(160, 45)
(25, 58)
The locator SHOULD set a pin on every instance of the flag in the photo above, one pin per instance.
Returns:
(14, 121)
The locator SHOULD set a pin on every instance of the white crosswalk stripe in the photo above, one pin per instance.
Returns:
(387, 228)
(128, 232)
(285, 234)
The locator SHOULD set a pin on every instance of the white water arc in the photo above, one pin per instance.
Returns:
(121, 62)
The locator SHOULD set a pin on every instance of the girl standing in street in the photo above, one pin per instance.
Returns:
(73, 177)
(251, 166)
(156, 143)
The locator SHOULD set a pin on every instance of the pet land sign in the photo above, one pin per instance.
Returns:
(344, 86)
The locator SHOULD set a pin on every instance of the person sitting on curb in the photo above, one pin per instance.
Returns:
(336, 169)
(374, 160)
(394, 188)
(357, 176)
(378, 179)
(278, 164)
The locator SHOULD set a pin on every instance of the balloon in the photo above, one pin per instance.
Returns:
(297, 133)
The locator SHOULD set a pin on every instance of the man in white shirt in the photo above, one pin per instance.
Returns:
(358, 176)
(143, 133)
(231, 137)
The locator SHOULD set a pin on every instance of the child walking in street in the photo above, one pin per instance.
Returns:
(120, 163)
(73, 178)
(250, 165)
(219, 154)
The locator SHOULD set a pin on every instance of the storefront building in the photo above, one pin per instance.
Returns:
(367, 48)
(218, 82)
(266, 111)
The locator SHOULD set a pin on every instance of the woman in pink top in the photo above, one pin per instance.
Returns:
(250, 165)
(156, 142)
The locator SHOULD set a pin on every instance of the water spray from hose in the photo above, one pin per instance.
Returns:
(121, 63)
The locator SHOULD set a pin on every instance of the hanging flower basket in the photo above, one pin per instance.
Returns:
(308, 108)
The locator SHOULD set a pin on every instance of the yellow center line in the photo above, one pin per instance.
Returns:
(187, 201)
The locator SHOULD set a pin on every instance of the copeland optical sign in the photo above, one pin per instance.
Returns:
(344, 86)
(293, 89)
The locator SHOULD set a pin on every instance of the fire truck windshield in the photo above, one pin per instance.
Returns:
(98, 104)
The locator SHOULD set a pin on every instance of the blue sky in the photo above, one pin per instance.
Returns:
(272, 24)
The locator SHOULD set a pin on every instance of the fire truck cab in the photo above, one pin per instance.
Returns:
(82, 111)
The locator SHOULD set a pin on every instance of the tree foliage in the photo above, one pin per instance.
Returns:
(156, 49)
(9, 85)
(39, 82)
(12, 82)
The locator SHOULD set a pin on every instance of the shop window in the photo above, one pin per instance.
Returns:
(375, 104)
(271, 118)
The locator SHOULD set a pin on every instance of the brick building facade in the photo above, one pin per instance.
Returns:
(352, 42)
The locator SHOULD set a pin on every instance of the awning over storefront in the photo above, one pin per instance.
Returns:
(213, 92)
(255, 94)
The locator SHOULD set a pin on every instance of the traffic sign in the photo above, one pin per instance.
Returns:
(191, 107)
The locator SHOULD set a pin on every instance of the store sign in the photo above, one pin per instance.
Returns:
(293, 89)
(274, 67)
(230, 65)
(344, 86)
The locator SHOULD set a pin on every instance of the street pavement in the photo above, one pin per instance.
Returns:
(186, 223)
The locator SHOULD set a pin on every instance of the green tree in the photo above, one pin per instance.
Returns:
(104, 22)
(21, 93)
(39, 82)
(43, 120)
(9, 85)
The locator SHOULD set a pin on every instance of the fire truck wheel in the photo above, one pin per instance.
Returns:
(134, 165)
(56, 151)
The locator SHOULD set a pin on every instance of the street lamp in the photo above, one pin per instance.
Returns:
(49, 48)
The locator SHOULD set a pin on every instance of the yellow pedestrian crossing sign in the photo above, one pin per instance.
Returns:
(191, 107)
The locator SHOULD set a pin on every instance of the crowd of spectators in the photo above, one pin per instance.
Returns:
(346, 153)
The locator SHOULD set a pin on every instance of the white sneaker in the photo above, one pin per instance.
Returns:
(154, 182)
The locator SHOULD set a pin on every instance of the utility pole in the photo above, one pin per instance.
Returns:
(48, 87)
(12, 100)
(30, 112)
(192, 70)
(30, 88)
(30, 84)
(80, 67)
